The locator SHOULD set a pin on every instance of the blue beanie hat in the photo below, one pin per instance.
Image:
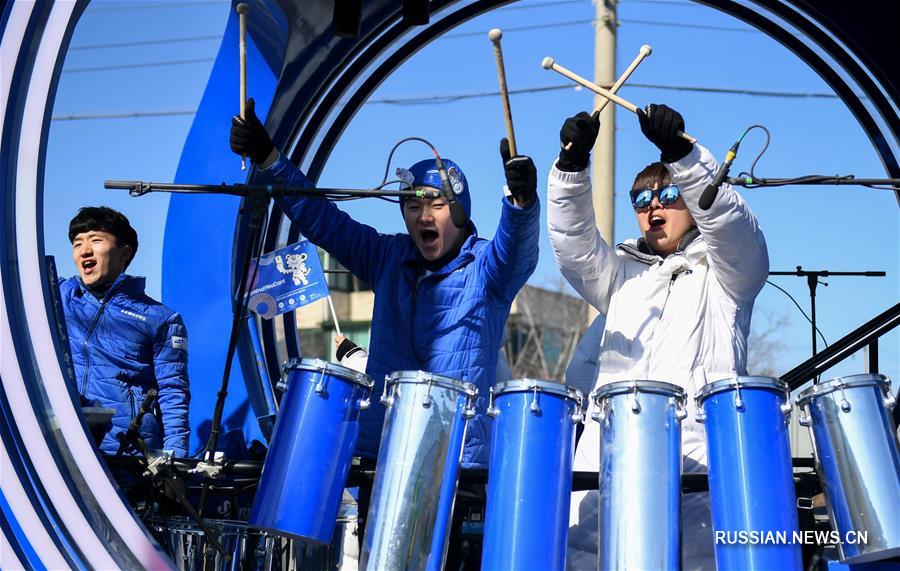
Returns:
(425, 173)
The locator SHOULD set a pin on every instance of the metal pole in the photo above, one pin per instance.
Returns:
(603, 172)
(603, 168)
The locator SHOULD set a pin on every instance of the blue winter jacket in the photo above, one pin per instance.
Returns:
(449, 323)
(123, 346)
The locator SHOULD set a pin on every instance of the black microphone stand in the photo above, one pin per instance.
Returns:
(812, 281)
(131, 437)
(757, 182)
(172, 485)
(140, 188)
(256, 202)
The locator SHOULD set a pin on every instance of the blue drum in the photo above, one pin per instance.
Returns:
(858, 462)
(312, 445)
(751, 479)
(417, 471)
(640, 474)
(530, 476)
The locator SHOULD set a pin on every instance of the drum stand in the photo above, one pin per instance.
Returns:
(812, 281)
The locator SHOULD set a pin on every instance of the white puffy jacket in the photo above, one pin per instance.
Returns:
(582, 370)
(683, 319)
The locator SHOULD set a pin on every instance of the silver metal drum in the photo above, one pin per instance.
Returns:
(640, 474)
(190, 550)
(287, 554)
(858, 461)
(416, 474)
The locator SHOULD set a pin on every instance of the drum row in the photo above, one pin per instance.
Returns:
(530, 471)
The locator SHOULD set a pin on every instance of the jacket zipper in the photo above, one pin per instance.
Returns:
(668, 292)
(84, 345)
(662, 312)
(89, 333)
(131, 402)
(412, 321)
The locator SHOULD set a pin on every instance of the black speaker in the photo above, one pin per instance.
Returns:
(415, 12)
(347, 17)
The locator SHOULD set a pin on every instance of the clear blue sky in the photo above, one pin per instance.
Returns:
(833, 228)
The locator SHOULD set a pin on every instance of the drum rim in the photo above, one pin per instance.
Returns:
(315, 364)
(847, 382)
(623, 387)
(746, 381)
(187, 524)
(527, 384)
(418, 376)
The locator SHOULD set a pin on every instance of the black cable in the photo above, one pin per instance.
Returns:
(766, 146)
(800, 308)
(387, 166)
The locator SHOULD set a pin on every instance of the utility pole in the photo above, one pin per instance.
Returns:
(603, 175)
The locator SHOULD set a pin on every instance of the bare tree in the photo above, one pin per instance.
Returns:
(542, 331)
(765, 346)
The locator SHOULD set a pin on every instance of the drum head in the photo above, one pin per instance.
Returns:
(333, 369)
(722, 385)
(528, 385)
(436, 380)
(849, 382)
(653, 387)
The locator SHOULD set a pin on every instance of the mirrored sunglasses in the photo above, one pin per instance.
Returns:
(642, 197)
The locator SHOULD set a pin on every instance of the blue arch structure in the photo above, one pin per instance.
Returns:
(58, 507)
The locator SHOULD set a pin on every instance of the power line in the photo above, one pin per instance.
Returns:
(100, 7)
(523, 6)
(445, 36)
(591, 21)
(451, 98)
(665, 3)
(692, 26)
(136, 65)
(518, 29)
(130, 115)
(145, 43)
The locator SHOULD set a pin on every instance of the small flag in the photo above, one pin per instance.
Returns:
(286, 279)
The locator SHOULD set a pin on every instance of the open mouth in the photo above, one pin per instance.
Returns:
(429, 237)
(657, 223)
(88, 265)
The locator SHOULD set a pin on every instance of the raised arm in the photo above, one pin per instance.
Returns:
(735, 244)
(358, 247)
(513, 253)
(584, 259)
(170, 367)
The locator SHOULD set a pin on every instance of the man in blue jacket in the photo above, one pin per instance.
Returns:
(442, 294)
(123, 342)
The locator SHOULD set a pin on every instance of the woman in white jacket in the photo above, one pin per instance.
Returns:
(677, 300)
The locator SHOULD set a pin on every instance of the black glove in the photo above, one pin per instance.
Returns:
(521, 176)
(660, 125)
(249, 137)
(581, 131)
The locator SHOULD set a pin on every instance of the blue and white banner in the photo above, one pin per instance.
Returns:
(286, 279)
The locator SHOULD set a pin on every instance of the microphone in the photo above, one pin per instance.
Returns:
(132, 435)
(711, 191)
(457, 212)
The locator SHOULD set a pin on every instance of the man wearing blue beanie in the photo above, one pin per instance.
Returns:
(442, 293)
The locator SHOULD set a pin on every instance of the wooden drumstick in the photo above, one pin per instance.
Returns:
(495, 35)
(645, 51)
(242, 10)
(548, 63)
